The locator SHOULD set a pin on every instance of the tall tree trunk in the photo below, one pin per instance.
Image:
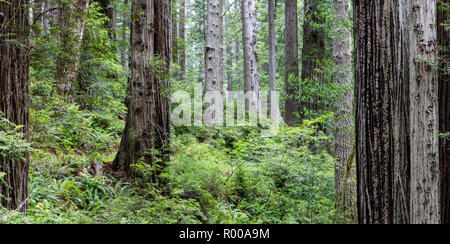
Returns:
(383, 164)
(182, 38)
(229, 63)
(424, 112)
(343, 135)
(14, 82)
(174, 33)
(214, 60)
(147, 130)
(313, 52)
(251, 77)
(292, 105)
(397, 167)
(124, 54)
(72, 22)
(444, 110)
(273, 98)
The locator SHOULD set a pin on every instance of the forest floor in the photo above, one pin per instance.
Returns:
(216, 175)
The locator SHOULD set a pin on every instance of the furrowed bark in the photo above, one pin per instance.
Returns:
(343, 135)
(444, 111)
(14, 83)
(396, 114)
(424, 122)
(147, 130)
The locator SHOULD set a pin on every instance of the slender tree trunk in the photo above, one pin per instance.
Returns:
(124, 54)
(313, 52)
(444, 112)
(46, 18)
(174, 32)
(229, 73)
(214, 60)
(229, 63)
(273, 98)
(396, 85)
(14, 82)
(72, 22)
(343, 135)
(147, 130)
(292, 105)
(251, 77)
(182, 38)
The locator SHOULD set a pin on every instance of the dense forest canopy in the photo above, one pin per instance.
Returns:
(224, 111)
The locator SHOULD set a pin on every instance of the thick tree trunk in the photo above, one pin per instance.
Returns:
(214, 61)
(343, 135)
(424, 112)
(147, 130)
(313, 52)
(72, 22)
(397, 167)
(14, 82)
(292, 105)
(182, 38)
(274, 108)
(251, 77)
(444, 112)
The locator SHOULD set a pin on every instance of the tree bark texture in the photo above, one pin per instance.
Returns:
(251, 76)
(444, 111)
(292, 103)
(396, 114)
(274, 104)
(14, 83)
(424, 111)
(72, 22)
(147, 130)
(343, 135)
(214, 59)
(313, 52)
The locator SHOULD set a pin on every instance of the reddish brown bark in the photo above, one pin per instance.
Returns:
(14, 82)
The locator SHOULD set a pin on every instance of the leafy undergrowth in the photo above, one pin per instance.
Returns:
(216, 175)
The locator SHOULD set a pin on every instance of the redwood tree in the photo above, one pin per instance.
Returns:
(292, 105)
(314, 52)
(72, 19)
(147, 130)
(444, 108)
(343, 135)
(14, 82)
(396, 111)
(214, 59)
(251, 76)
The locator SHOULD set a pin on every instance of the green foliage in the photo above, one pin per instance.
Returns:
(13, 146)
(215, 175)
